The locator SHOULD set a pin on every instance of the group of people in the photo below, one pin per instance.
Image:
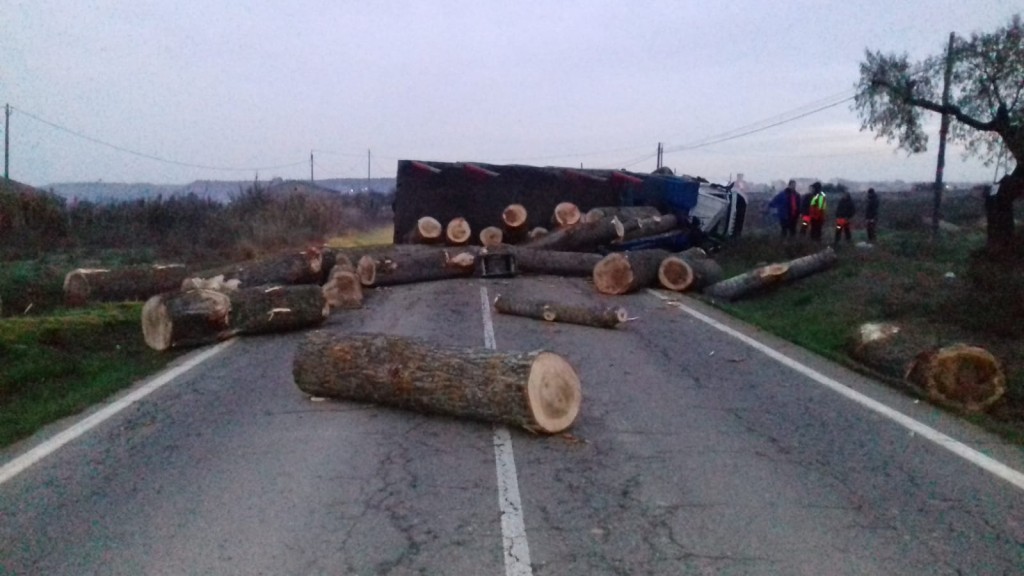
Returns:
(806, 213)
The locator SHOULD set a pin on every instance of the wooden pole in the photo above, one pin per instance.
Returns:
(943, 131)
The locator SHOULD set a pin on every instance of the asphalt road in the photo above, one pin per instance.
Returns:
(695, 452)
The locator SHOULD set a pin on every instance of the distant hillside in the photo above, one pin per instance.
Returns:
(216, 190)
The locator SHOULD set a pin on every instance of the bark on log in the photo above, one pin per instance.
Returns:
(689, 270)
(538, 391)
(343, 290)
(183, 319)
(597, 316)
(264, 309)
(458, 232)
(771, 275)
(583, 237)
(491, 237)
(566, 214)
(623, 212)
(636, 228)
(86, 285)
(305, 267)
(420, 266)
(427, 231)
(533, 261)
(625, 272)
(961, 376)
(537, 232)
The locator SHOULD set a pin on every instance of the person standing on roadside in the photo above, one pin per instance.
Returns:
(805, 213)
(845, 211)
(818, 210)
(786, 205)
(871, 214)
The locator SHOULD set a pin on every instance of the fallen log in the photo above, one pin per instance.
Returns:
(184, 319)
(597, 316)
(764, 277)
(198, 317)
(537, 232)
(565, 214)
(304, 267)
(625, 272)
(534, 261)
(85, 285)
(427, 231)
(582, 237)
(458, 232)
(409, 267)
(538, 391)
(491, 237)
(265, 309)
(688, 270)
(961, 376)
(636, 228)
(623, 212)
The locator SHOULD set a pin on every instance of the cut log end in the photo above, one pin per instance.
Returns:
(554, 393)
(514, 216)
(491, 237)
(674, 273)
(566, 214)
(458, 231)
(966, 377)
(156, 324)
(613, 274)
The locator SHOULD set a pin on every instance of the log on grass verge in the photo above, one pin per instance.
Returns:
(538, 391)
(960, 376)
(85, 285)
(597, 316)
(764, 277)
(625, 272)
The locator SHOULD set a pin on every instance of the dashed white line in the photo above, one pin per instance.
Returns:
(28, 459)
(984, 462)
(513, 527)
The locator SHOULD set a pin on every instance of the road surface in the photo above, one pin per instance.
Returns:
(699, 449)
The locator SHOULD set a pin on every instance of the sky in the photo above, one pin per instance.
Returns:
(171, 92)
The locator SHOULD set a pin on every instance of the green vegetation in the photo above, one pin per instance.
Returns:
(58, 365)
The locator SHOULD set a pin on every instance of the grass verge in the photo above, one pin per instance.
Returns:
(56, 366)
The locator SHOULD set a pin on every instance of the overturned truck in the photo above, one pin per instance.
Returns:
(473, 197)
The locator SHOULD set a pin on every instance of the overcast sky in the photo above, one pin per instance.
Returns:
(171, 92)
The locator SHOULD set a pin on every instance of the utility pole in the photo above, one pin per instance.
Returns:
(367, 169)
(660, 153)
(943, 131)
(311, 179)
(7, 142)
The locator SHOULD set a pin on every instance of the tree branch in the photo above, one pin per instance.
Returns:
(904, 96)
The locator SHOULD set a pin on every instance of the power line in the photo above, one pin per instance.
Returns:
(150, 156)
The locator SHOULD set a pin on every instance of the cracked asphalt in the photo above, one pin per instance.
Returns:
(693, 454)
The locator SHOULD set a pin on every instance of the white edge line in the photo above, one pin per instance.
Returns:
(955, 446)
(513, 527)
(51, 445)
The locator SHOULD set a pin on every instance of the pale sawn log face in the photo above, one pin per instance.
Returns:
(474, 383)
(180, 319)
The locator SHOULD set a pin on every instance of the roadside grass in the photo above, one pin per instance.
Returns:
(58, 365)
(375, 236)
(907, 277)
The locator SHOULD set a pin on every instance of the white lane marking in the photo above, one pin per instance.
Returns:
(984, 462)
(513, 527)
(28, 459)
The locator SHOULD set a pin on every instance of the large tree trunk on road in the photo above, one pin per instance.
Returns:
(305, 267)
(689, 270)
(538, 391)
(765, 276)
(265, 309)
(86, 285)
(598, 316)
(625, 272)
(536, 261)
(411, 267)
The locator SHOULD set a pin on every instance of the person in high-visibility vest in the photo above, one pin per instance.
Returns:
(845, 211)
(819, 209)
